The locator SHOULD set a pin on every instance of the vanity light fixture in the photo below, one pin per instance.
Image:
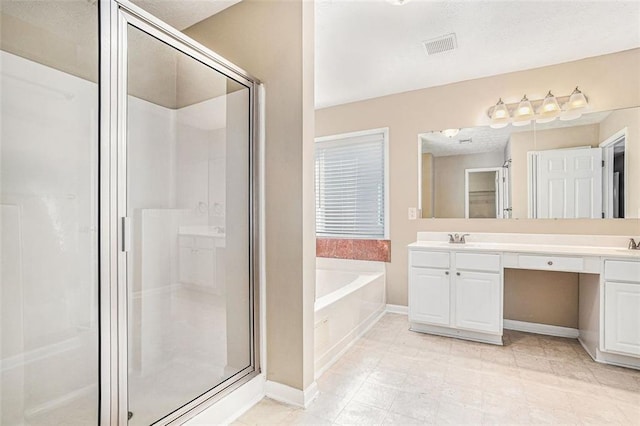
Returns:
(574, 107)
(500, 117)
(450, 132)
(524, 113)
(550, 109)
(542, 110)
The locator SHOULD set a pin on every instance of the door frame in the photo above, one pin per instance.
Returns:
(115, 16)
(500, 196)
(608, 145)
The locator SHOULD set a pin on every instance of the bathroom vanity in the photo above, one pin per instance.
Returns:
(456, 290)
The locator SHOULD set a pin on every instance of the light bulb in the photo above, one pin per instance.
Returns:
(500, 111)
(576, 100)
(549, 110)
(523, 113)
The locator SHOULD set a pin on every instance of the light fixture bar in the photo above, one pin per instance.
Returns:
(542, 110)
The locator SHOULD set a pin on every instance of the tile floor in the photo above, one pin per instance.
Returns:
(393, 376)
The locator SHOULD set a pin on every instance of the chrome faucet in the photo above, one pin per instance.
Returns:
(457, 238)
(633, 245)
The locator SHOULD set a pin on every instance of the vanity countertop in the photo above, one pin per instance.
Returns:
(576, 250)
(201, 231)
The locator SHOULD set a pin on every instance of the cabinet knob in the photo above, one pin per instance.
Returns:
(446, 273)
(458, 273)
(550, 263)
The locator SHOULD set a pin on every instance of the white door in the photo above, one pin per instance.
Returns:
(429, 296)
(478, 301)
(569, 183)
(622, 318)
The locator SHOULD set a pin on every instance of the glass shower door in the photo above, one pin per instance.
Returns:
(188, 203)
(48, 213)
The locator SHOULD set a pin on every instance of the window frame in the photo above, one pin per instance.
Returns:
(346, 137)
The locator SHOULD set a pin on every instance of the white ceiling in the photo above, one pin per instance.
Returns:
(371, 48)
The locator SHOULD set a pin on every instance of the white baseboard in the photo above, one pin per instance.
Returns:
(397, 309)
(233, 405)
(289, 395)
(494, 339)
(549, 330)
(60, 401)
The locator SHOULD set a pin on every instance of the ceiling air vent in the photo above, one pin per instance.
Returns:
(440, 44)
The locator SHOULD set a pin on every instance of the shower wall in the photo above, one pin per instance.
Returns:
(49, 239)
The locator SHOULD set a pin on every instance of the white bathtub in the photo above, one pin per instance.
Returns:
(350, 297)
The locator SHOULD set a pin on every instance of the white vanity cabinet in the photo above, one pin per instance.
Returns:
(478, 302)
(621, 307)
(457, 290)
(430, 294)
(457, 294)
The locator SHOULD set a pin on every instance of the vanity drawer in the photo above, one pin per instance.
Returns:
(478, 262)
(619, 270)
(429, 259)
(551, 263)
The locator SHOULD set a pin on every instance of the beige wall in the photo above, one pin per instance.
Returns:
(541, 296)
(542, 140)
(449, 180)
(608, 127)
(427, 185)
(273, 40)
(610, 82)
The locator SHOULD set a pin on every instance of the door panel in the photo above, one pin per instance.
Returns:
(622, 318)
(569, 183)
(49, 286)
(429, 296)
(478, 301)
(187, 192)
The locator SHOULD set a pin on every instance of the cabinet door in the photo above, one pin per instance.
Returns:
(478, 300)
(622, 317)
(205, 268)
(185, 265)
(429, 296)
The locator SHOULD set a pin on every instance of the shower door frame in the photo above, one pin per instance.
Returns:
(115, 16)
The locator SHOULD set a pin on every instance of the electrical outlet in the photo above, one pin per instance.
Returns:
(413, 213)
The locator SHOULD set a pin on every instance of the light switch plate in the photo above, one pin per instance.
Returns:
(413, 213)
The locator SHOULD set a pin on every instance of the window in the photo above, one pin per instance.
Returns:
(351, 185)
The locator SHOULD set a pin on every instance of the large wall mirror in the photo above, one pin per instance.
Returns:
(584, 168)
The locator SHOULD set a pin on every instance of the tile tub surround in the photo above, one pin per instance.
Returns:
(393, 376)
(357, 249)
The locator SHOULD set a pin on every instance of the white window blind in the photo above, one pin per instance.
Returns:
(350, 186)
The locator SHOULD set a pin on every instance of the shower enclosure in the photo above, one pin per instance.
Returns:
(128, 212)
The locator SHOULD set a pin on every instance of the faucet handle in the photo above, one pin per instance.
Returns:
(462, 238)
(451, 240)
(633, 245)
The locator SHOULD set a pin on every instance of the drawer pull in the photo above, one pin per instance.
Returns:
(550, 263)
(458, 273)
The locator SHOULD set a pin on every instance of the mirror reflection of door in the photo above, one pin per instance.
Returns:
(484, 193)
(566, 183)
(613, 175)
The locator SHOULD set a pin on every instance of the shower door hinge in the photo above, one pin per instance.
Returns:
(126, 234)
